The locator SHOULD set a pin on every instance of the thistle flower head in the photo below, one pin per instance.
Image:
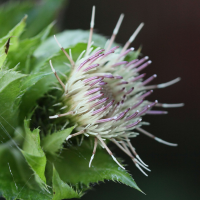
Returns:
(106, 96)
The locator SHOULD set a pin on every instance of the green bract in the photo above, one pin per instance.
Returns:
(35, 161)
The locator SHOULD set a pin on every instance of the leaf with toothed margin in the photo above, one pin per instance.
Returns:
(16, 177)
(52, 143)
(35, 86)
(15, 33)
(10, 83)
(24, 56)
(32, 79)
(62, 190)
(34, 154)
(73, 166)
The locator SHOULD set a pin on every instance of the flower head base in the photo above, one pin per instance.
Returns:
(105, 96)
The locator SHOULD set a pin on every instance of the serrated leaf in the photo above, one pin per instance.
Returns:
(52, 143)
(62, 190)
(12, 91)
(15, 33)
(7, 77)
(14, 105)
(10, 82)
(32, 79)
(16, 178)
(40, 85)
(73, 166)
(25, 56)
(34, 154)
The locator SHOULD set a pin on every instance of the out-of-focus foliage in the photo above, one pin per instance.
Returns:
(40, 14)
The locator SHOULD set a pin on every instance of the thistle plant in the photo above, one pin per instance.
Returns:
(55, 131)
(104, 95)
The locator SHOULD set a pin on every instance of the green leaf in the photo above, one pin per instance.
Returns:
(7, 77)
(16, 177)
(32, 79)
(3, 52)
(73, 166)
(40, 84)
(39, 14)
(34, 154)
(45, 32)
(52, 143)
(15, 33)
(10, 83)
(133, 55)
(13, 12)
(66, 39)
(25, 54)
(60, 59)
(15, 105)
(44, 13)
(62, 190)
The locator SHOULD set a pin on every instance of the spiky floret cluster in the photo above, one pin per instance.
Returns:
(105, 96)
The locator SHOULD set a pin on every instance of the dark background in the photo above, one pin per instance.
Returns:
(171, 38)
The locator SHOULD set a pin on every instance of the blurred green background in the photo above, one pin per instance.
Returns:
(171, 39)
